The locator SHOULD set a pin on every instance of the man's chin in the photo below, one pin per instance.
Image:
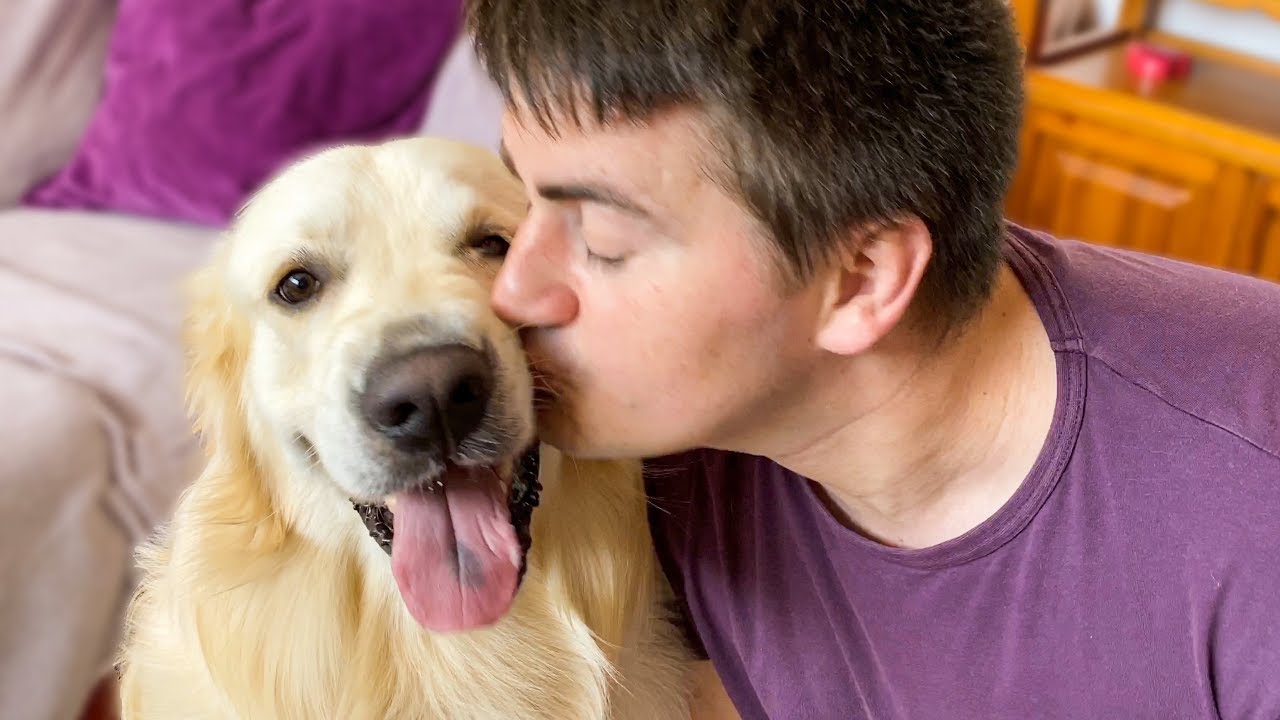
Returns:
(562, 433)
(586, 447)
(580, 438)
(559, 435)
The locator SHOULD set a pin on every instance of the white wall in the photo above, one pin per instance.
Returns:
(1253, 33)
(1108, 11)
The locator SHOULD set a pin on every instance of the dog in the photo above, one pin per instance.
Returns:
(363, 540)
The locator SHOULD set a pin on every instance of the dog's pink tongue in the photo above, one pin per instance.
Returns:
(454, 553)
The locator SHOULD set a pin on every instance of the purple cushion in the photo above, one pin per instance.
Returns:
(204, 100)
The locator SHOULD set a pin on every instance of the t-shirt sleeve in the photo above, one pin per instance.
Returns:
(671, 484)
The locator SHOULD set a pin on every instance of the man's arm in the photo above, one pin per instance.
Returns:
(710, 701)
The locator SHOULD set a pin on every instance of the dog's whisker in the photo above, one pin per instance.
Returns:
(309, 452)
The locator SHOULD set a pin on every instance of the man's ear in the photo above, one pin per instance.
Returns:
(871, 284)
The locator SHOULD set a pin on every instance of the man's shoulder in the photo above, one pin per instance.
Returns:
(1202, 340)
(1116, 294)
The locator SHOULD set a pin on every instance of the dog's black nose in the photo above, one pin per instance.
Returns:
(429, 399)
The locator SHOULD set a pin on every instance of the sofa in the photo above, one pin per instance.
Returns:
(96, 442)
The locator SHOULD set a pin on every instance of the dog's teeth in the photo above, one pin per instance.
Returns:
(390, 502)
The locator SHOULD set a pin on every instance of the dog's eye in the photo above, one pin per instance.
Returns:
(494, 246)
(297, 287)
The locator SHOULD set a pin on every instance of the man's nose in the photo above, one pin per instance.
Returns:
(530, 289)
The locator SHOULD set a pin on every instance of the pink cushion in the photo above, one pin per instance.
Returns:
(204, 100)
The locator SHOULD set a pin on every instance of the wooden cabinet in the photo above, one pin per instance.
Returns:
(1081, 179)
(1190, 170)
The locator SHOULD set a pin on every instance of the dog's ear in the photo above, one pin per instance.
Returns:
(231, 495)
(216, 340)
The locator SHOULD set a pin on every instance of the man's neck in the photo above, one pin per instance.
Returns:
(950, 435)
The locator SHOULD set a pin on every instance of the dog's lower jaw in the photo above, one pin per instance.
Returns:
(525, 494)
(522, 499)
(377, 520)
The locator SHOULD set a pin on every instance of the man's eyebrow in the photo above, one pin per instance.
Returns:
(578, 191)
(594, 194)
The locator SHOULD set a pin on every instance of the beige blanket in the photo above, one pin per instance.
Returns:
(94, 442)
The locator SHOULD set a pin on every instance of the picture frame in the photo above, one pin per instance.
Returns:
(1066, 27)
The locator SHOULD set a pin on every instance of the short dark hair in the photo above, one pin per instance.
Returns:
(827, 114)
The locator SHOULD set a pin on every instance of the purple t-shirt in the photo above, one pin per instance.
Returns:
(1134, 574)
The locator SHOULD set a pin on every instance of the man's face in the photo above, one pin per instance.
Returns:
(651, 302)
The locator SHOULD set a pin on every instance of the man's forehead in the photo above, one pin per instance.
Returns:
(506, 157)
(671, 139)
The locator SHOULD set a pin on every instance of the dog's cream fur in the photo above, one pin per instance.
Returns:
(264, 596)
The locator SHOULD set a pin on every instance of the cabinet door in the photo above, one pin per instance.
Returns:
(1078, 179)
(1267, 232)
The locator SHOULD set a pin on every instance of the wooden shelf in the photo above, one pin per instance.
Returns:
(1267, 6)
(1230, 108)
(1215, 88)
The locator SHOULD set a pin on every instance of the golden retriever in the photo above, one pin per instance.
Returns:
(358, 545)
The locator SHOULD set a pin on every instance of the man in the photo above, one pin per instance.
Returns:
(913, 462)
